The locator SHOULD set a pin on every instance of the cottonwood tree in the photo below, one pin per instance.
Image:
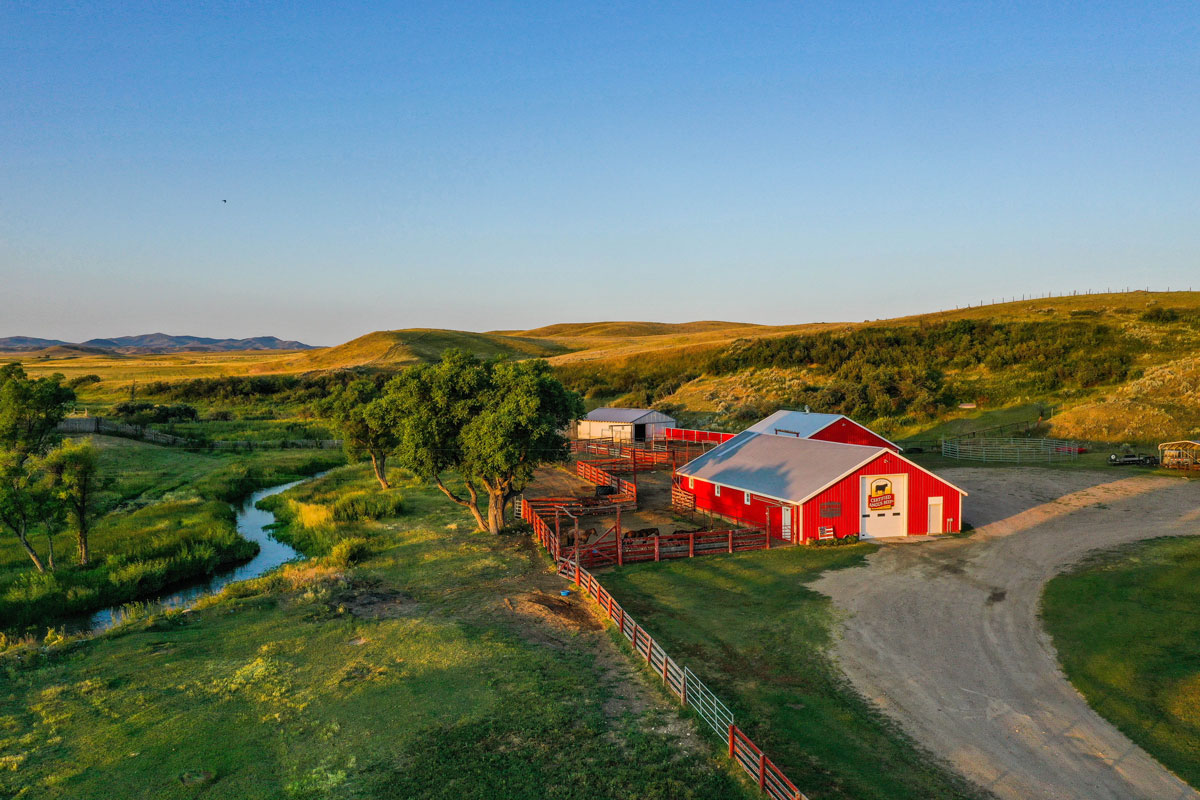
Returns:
(73, 478)
(491, 422)
(30, 410)
(359, 415)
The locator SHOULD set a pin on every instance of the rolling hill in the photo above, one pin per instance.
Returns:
(151, 344)
(1118, 366)
(393, 349)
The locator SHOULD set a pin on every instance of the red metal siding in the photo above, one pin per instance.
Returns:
(732, 503)
(921, 486)
(848, 431)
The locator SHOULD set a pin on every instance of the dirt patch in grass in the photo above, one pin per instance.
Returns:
(561, 612)
(378, 603)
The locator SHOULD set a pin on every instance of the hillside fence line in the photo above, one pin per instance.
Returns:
(107, 427)
(680, 681)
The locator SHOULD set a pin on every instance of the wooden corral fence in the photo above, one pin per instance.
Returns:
(630, 550)
(625, 491)
(1014, 450)
(688, 689)
(107, 427)
(622, 455)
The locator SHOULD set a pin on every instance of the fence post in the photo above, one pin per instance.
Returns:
(665, 660)
(656, 538)
(683, 687)
(762, 769)
(692, 544)
(620, 549)
(731, 540)
(731, 740)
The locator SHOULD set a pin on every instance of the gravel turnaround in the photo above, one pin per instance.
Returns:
(943, 634)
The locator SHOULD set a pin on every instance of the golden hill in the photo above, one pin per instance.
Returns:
(388, 349)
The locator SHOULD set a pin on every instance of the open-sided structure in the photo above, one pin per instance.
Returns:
(1180, 455)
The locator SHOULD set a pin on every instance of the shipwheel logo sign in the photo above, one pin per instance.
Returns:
(881, 498)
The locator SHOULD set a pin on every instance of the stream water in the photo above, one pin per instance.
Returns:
(251, 524)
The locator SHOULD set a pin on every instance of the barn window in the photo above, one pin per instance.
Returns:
(747, 498)
(830, 510)
(691, 483)
(716, 490)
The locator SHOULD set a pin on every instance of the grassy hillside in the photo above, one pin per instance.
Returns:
(1119, 365)
(391, 349)
(621, 330)
(1111, 362)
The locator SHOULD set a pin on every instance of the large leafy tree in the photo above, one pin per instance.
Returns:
(357, 411)
(492, 422)
(73, 478)
(30, 410)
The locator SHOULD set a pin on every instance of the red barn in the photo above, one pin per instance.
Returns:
(806, 488)
(822, 427)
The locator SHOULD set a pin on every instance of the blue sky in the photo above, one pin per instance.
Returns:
(487, 166)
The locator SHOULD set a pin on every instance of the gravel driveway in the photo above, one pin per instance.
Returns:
(943, 634)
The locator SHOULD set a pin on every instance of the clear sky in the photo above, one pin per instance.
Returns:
(320, 171)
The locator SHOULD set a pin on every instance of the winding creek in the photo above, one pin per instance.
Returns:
(252, 524)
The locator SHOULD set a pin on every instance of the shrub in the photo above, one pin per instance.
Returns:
(349, 551)
(374, 504)
(1160, 315)
(82, 380)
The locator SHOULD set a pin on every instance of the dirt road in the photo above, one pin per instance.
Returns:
(944, 634)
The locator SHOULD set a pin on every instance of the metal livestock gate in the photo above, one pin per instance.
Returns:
(1015, 450)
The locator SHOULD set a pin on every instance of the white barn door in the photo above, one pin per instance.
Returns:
(883, 506)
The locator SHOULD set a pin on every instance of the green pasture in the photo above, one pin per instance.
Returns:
(401, 677)
(748, 627)
(1127, 632)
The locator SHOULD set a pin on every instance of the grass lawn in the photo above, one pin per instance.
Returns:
(404, 676)
(165, 518)
(751, 630)
(1134, 649)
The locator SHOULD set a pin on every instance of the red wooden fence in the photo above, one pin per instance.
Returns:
(626, 491)
(630, 550)
(690, 435)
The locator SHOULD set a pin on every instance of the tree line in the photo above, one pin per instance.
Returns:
(889, 371)
(46, 484)
(490, 422)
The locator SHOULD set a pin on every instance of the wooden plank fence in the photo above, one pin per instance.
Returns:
(688, 689)
(626, 491)
(107, 427)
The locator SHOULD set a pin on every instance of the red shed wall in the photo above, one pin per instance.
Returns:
(732, 503)
(848, 431)
(921, 486)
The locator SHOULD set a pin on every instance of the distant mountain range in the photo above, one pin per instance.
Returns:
(152, 343)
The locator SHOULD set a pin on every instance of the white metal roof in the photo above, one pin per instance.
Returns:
(628, 415)
(802, 424)
(794, 423)
(783, 468)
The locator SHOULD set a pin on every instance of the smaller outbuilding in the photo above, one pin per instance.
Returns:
(623, 424)
(1180, 455)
